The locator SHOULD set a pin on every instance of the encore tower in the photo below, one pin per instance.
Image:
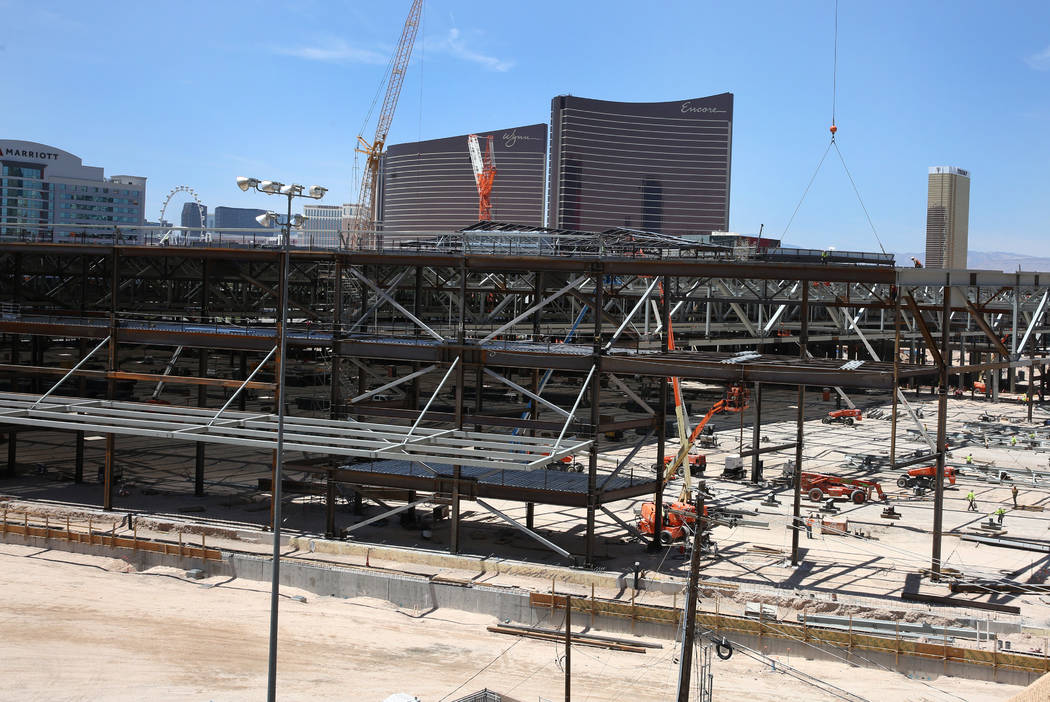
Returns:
(659, 166)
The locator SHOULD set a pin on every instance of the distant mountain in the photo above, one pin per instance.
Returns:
(990, 261)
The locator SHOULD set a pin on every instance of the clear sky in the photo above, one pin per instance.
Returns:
(196, 93)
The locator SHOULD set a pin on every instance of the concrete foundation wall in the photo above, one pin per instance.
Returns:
(423, 594)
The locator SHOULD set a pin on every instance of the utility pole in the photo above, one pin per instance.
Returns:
(685, 659)
(568, 647)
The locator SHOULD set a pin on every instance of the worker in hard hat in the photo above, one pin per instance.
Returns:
(1000, 513)
(969, 459)
(1013, 492)
(972, 500)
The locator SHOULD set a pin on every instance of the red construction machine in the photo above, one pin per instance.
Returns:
(676, 516)
(735, 400)
(697, 463)
(924, 477)
(817, 486)
(843, 416)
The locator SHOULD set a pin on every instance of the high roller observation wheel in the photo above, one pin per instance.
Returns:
(200, 210)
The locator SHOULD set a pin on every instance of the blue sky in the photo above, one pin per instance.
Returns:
(196, 93)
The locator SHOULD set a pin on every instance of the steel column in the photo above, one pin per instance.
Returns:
(108, 466)
(756, 435)
(661, 431)
(596, 394)
(335, 394)
(803, 340)
(942, 434)
(12, 450)
(78, 460)
(896, 376)
(461, 335)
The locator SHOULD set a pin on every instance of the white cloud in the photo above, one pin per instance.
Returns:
(335, 51)
(1040, 61)
(454, 45)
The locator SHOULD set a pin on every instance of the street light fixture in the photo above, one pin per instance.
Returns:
(246, 184)
(268, 219)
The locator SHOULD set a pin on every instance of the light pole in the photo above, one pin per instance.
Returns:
(314, 192)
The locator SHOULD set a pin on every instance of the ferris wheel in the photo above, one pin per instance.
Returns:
(174, 236)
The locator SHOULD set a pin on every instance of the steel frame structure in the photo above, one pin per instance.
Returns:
(480, 313)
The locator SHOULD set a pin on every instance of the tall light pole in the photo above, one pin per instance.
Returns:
(314, 192)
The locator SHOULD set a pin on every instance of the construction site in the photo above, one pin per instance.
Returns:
(466, 414)
(663, 463)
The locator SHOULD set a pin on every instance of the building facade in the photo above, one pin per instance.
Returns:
(48, 193)
(323, 225)
(428, 186)
(947, 217)
(238, 218)
(194, 215)
(661, 166)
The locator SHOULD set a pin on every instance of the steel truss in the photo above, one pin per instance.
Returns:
(494, 325)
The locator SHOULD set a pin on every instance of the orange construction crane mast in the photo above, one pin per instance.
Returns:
(484, 166)
(363, 224)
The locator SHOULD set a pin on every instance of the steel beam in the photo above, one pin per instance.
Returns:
(528, 532)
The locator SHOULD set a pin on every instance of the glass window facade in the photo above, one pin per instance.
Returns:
(48, 194)
(429, 186)
(24, 201)
(662, 167)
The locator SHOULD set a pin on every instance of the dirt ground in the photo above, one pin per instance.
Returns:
(78, 627)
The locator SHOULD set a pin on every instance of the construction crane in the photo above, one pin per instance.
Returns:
(363, 224)
(484, 173)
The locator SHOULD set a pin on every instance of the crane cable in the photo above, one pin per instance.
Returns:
(834, 128)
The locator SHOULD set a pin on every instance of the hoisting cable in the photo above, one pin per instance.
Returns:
(857, 192)
(833, 129)
(808, 186)
(835, 71)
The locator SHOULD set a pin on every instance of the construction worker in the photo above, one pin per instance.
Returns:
(1013, 492)
(1013, 441)
(809, 526)
(1000, 513)
(969, 459)
(972, 500)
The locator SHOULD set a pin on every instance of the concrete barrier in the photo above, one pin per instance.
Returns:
(513, 604)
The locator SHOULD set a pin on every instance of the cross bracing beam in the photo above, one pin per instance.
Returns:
(1031, 326)
(323, 436)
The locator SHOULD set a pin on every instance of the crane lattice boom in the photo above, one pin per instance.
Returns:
(363, 222)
